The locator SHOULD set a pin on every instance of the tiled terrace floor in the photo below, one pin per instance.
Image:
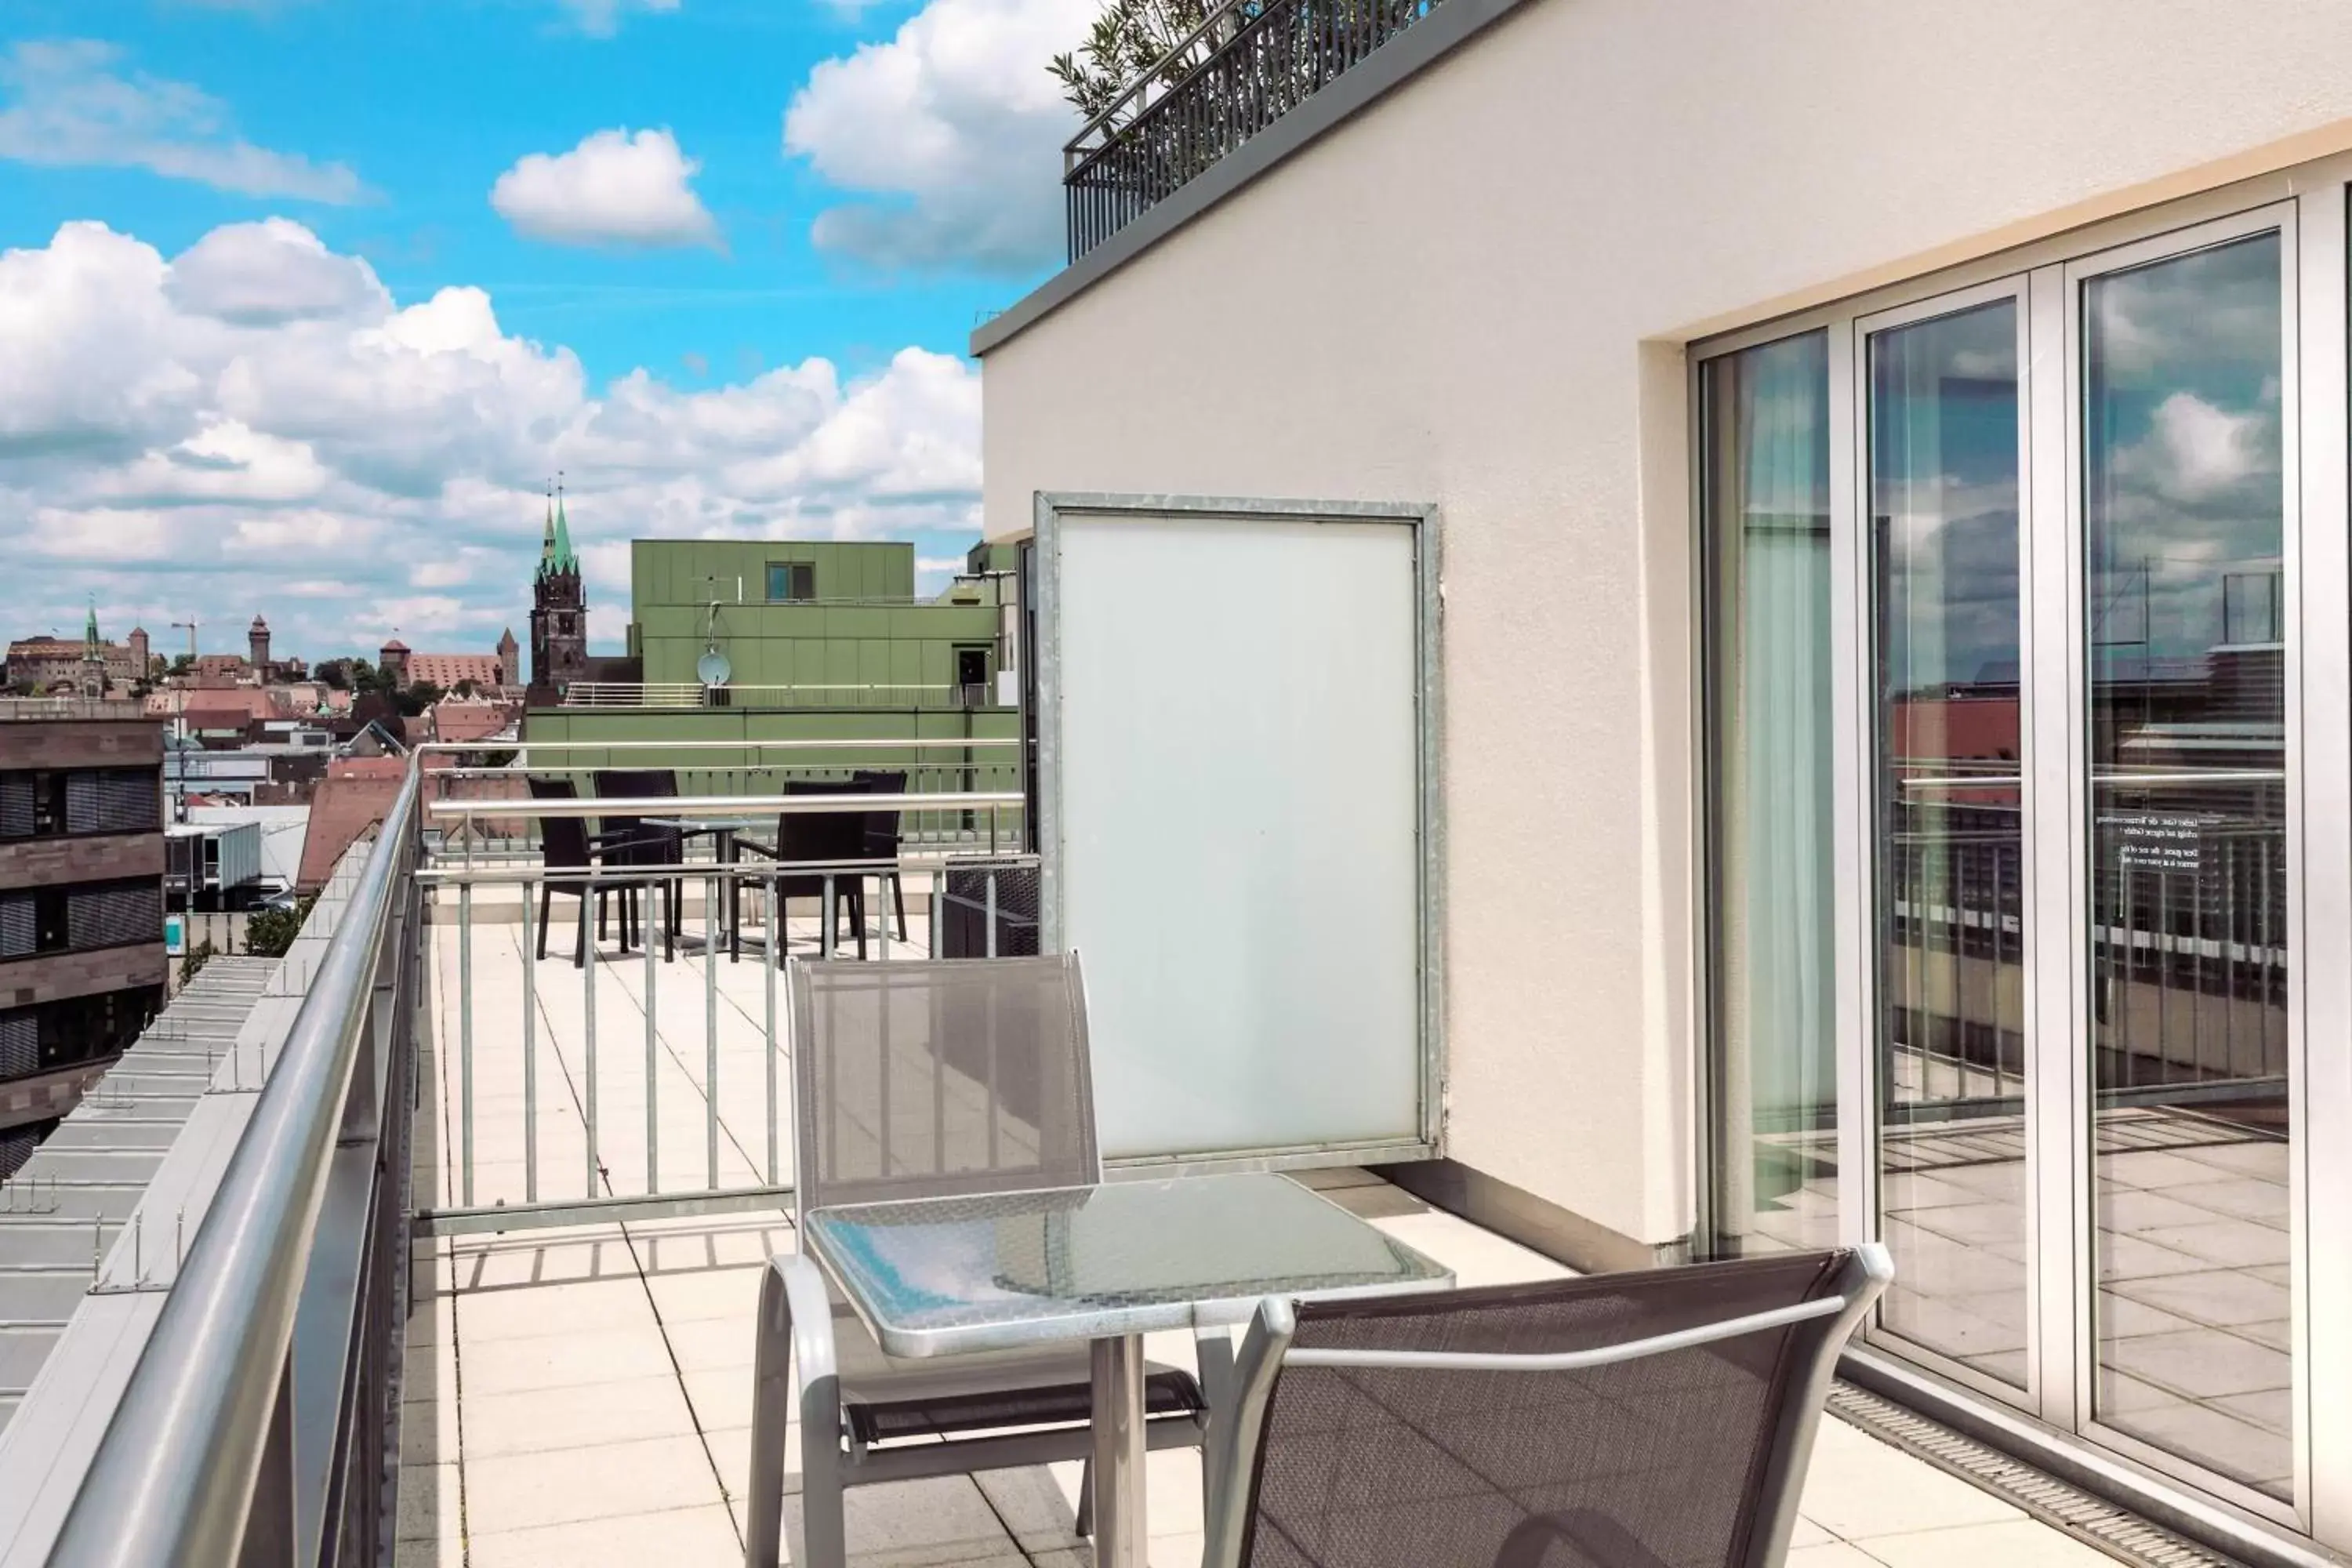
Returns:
(582, 1397)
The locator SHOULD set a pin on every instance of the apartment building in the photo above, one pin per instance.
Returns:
(82, 967)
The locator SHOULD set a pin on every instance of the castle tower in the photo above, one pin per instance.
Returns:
(142, 663)
(257, 642)
(558, 613)
(391, 658)
(509, 660)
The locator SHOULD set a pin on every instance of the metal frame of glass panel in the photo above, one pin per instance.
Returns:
(2308, 207)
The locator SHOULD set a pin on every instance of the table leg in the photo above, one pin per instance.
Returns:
(734, 899)
(1120, 1531)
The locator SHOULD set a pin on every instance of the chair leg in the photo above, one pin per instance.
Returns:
(600, 916)
(1087, 1499)
(857, 914)
(898, 902)
(546, 897)
(580, 932)
(673, 908)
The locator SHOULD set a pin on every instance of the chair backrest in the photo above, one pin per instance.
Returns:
(939, 1077)
(880, 828)
(824, 836)
(563, 840)
(642, 843)
(1658, 1419)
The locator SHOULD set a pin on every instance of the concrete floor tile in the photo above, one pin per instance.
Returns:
(701, 1295)
(712, 1344)
(428, 1431)
(557, 1361)
(696, 1535)
(1829, 1553)
(1476, 1256)
(523, 1312)
(576, 1415)
(2013, 1543)
(522, 1491)
(720, 1399)
(428, 1504)
(1859, 1488)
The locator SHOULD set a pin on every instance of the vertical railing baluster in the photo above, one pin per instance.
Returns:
(529, 1052)
(712, 899)
(588, 1025)
(771, 959)
(654, 897)
(466, 1042)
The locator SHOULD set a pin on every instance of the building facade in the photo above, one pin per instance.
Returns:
(82, 967)
(1895, 645)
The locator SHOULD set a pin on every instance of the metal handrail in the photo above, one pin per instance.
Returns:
(175, 1477)
(725, 805)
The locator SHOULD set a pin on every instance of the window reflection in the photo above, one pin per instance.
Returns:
(1951, 862)
(2183, 510)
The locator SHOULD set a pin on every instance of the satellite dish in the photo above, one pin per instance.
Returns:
(713, 668)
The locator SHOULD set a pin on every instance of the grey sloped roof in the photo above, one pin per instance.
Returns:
(62, 1212)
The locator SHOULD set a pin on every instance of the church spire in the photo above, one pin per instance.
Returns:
(559, 551)
(89, 627)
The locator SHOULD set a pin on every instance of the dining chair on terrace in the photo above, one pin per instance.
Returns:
(821, 837)
(917, 1080)
(566, 845)
(1655, 1419)
(637, 841)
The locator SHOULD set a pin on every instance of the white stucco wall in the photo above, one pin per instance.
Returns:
(1475, 294)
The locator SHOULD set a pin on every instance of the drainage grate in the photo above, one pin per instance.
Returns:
(2089, 1520)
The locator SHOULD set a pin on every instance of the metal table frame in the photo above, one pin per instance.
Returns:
(1115, 1334)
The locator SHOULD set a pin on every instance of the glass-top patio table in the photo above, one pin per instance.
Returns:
(941, 1276)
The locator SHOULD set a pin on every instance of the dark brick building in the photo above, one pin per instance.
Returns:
(82, 967)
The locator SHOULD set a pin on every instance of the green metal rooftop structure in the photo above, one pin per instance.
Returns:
(787, 640)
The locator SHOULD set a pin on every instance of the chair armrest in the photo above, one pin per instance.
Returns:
(793, 1360)
(765, 851)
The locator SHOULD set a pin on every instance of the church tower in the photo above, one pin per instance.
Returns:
(558, 613)
(93, 656)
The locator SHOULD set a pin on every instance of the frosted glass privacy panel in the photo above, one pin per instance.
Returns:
(1240, 867)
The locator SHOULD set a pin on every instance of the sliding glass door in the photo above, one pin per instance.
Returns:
(2186, 630)
(1945, 469)
(2016, 927)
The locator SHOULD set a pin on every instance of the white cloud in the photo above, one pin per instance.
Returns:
(612, 189)
(348, 465)
(602, 19)
(66, 103)
(954, 125)
(271, 271)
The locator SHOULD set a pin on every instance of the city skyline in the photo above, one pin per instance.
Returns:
(309, 300)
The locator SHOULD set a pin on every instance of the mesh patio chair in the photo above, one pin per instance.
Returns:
(1659, 1419)
(928, 1041)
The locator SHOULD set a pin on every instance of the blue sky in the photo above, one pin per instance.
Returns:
(367, 271)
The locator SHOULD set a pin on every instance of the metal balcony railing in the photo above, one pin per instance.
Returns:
(736, 694)
(1248, 64)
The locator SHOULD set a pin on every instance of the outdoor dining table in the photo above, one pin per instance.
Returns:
(1108, 1264)
(722, 831)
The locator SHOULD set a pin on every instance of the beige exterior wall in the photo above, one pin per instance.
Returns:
(1476, 293)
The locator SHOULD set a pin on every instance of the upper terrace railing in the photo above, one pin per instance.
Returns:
(1245, 66)
(258, 1425)
(733, 694)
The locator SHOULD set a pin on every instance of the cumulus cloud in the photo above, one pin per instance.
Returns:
(612, 189)
(348, 465)
(274, 271)
(954, 129)
(70, 104)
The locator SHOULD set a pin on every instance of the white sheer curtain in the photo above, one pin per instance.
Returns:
(1767, 504)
